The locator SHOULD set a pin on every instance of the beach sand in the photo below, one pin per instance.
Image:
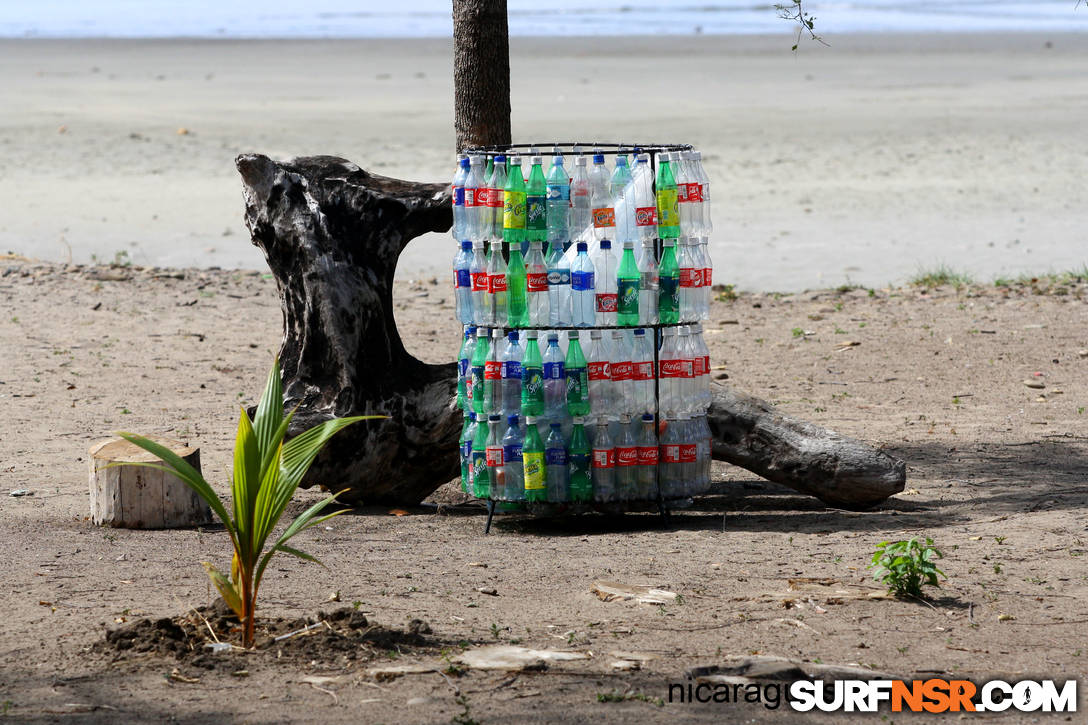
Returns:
(863, 161)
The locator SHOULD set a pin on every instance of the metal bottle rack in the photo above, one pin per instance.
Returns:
(567, 148)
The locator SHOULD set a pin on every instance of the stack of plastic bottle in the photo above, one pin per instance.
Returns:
(583, 374)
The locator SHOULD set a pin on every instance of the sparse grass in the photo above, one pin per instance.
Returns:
(940, 276)
(728, 293)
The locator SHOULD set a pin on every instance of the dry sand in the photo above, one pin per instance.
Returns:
(996, 477)
(862, 161)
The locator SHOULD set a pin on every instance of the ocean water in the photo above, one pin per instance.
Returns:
(431, 18)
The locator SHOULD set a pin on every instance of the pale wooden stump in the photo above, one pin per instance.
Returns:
(137, 497)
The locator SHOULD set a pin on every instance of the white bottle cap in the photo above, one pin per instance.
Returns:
(669, 242)
(668, 331)
(696, 328)
(629, 244)
(530, 334)
(516, 161)
(478, 244)
(530, 420)
(595, 334)
(536, 160)
(664, 156)
(572, 334)
(578, 420)
(643, 158)
(580, 161)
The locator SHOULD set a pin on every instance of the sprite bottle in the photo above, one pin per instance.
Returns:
(532, 457)
(532, 377)
(627, 289)
(476, 382)
(577, 377)
(481, 481)
(513, 207)
(668, 200)
(580, 461)
(668, 290)
(517, 293)
(536, 199)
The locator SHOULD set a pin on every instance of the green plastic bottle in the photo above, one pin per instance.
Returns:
(481, 479)
(479, 360)
(517, 291)
(532, 457)
(627, 287)
(513, 208)
(668, 290)
(577, 377)
(668, 201)
(532, 377)
(536, 199)
(580, 462)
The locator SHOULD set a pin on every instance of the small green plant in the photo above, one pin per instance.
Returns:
(465, 716)
(999, 539)
(267, 473)
(728, 294)
(940, 276)
(904, 566)
(798, 332)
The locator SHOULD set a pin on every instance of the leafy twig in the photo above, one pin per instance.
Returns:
(806, 21)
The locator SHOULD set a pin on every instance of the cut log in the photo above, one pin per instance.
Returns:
(137, 497)
(332, 233)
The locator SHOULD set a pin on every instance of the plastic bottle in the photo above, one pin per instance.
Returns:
(517, 290)
(579, 455)
(511, 375)
(536, 274)
(457, 188)
(496, 198)
(669, 472)
(694, 195)
(558, 212)
(481, 478)
(600, 199)
(704, 191)
(645, 203)
(513, 205)
(532, 378)
(496, 474)
(468, 430)
(555, 458)
(532, 454)
(577, 376)
(682, 176)
(536, 201)
(513, 473)
(604, 265)
(698, 288)
(462, 283)
(555, 382)
(647, 458)
(558, 285)
(708, 278)
(599, 369)
(671, 382)
(627, 288)
(668, 294)
(475, 193)
(464, 369)
(493, 375)
(481, 313)
(689, 469)
(581, 212)
(622, 374)
(478, 364)
(685, 403)
(701, 368)
(648, 284)
(703, 453)
(582, 289)
(668, 213)
(688, 291)
(604, 463)
(642, 372)
(626, 462)
(619, 188)
(496, 285)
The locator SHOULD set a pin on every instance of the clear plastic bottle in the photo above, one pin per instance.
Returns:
(457, 189)
(648, 284)
(464, 369)
(511, 375)
(558, 193)
(623, 390)
(669, 470)
(517, 289)
(478, 365)
(555, 382)
(699, 298)
(701, 368)
(686, 402)
(581, 212)
(704, 191)
(682, 176)
(481, 312)
(626, 481)
(493, 375)
(536, 274)
(468, 430)
(694, 194)
(604, 463)
(582, 289)
(496, 198)
(558, 286)
(514, 475)
(689, 469)
(627, 288)
(577, 376)
(581, 464)
(647, 458)
(689, 292)
(496, 285)
(672, 367)
(481, 477)
(599, 365)
(642, 372)
(496, 475)
(532, 377)
(604, 266)
(619, 187)
(604, 214)
(668, 293)
(462, 283)
(645, 203)
(532, 455)
(475, 192)
(556, 461)
(703, 452)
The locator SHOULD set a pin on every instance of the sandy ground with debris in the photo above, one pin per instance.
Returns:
(996, 476)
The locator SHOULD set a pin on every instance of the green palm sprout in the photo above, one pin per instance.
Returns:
(267, 472)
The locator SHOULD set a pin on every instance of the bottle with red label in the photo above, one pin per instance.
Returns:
(457, 191)
(606, 294)
(600, 200)
(475, 193)
(536, 272)
(599, 367)
(672, 368)
(496, 474)
(647, 458)
(496, 285)
(492, 404)
(481, 312)
(496, 191)
(704, 191)
(642, 180)
(681, 175)
(604, 463)
(698, 270)
(642, 372)
(708, 277)
(622, 375)
(689, 471)
(701, 366)
(686, 354)
(688, 280)
(626, 480)
(669, 473)
(694, 195)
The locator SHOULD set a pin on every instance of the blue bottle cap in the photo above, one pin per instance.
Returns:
(582, 246)
(512, 336)
(494, 418)
(512, 420)
(648, 417)
(556, 426)
(606, 244)
(553, 337)
(470, 330)
(598, 158)
(640, 332)
(621, 161)
(465, 163)
(500, 159)
(472, 417)
(557, 160)
(466, 245)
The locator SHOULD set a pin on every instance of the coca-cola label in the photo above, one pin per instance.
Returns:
(554, 370)
(604, 217)
(647, 455)
(621, 371)
(479, 281)
(494, 456)
(511, 370)
(627, 456)
(511, 454)
(687, 453)
(458, 196)
(706, 365)
(600, 371)
(670, 453)
(558, 276)
(695, 192)
(700, 365)
(538, 281)
(581, 281)
(689, 368)
(556, 456)
(492, 370)
(496, 283)
(471, 197)
(483, 196)
(495, 198)
(604, 457)
(673, 368)
(687, 277)
(606, 302)
(627, 302)
(646, 216)
(708, 275)
(462, 279)
(642, 371)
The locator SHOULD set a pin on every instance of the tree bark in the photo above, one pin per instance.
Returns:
(481, 73)
(332, 234)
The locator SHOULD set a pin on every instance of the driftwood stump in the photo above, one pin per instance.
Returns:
(331, 233)
(137, 497)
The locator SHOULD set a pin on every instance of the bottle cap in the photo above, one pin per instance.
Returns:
(580, 161)
(643, 158)
(470, 330)
(697, 155)
(464, 162)
(696, 328)
(512, 419)
(466, 244)
(496, 333)
(668, 331)
(684, 330)
(617, 334)
(500, 159)
(556, 426)
(639, 332)
(535, 160)
(472, 417)
(512, 336)
(594, 334)
(621, 160)
(478, 244)
(530, 420)
(515, 160)
(578, 420)
(553, 337)
(648, 417)
(606, 244)
(582, 246)
(598, 158)
(557, 160)
(669, 242)
(624, 418)
(663, 156)
(572, 334)
(494, 418)
(530, 334)
(629, 244)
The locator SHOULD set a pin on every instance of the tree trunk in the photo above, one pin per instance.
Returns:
(332, 234)
(481, 73)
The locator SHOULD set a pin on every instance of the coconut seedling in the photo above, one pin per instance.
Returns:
(267, 472)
